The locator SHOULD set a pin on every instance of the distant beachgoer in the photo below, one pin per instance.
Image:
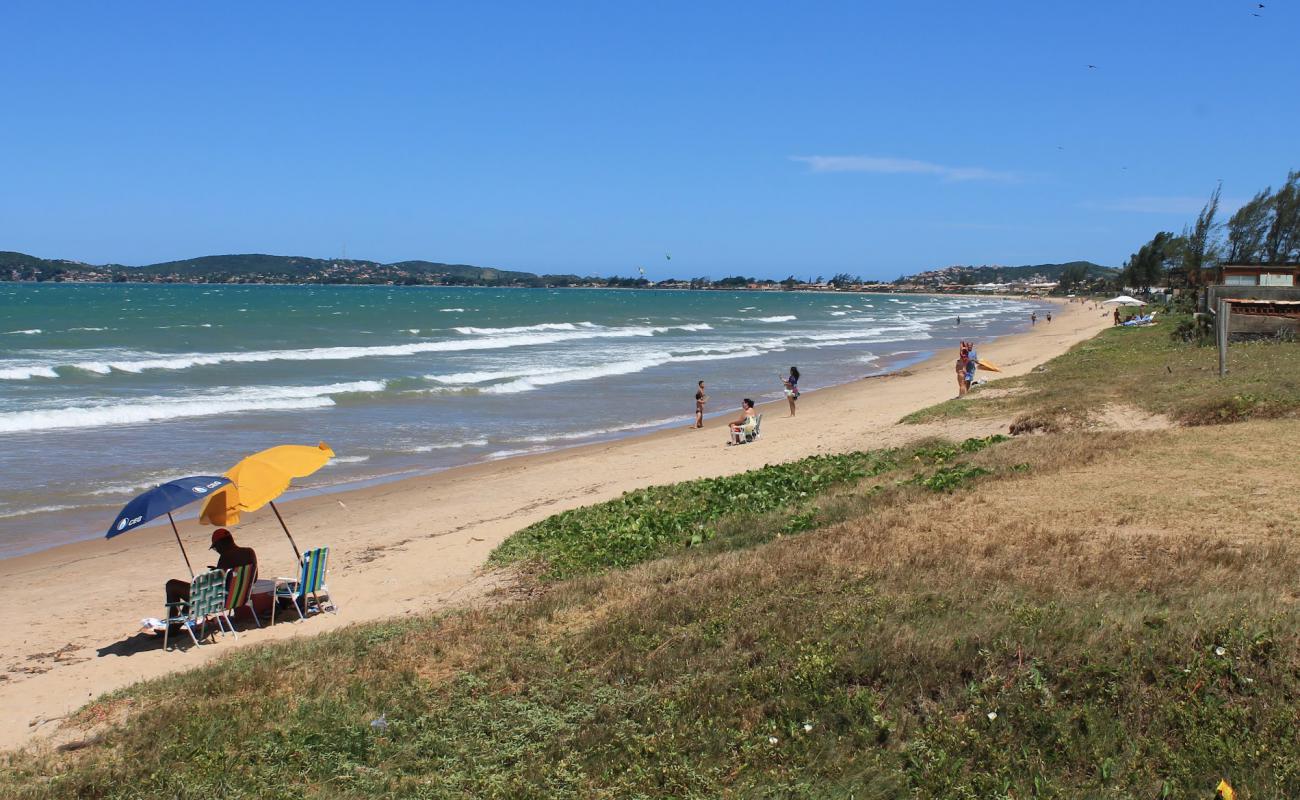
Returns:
(230, 554)
(963, 355)
(791, 388)
(700, 399)
(959, 320)
(740, 427)
(1033, 318)
(1049, 316)
(1116, 315)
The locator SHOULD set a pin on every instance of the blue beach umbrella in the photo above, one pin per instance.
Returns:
(164, 499)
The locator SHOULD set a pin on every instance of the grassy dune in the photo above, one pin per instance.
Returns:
(1147, 369)
(1076, 614)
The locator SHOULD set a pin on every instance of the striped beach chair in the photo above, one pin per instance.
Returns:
(239, 593)
(207, 599)
(310, 583)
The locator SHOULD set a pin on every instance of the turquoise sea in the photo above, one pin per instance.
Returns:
(108, 389)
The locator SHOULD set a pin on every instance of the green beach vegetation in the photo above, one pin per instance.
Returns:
(1078, 613)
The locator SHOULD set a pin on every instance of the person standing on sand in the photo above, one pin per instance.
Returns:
(963, 356)
(1049, 317)
(1033, 318)
(700, 399)
(791, 388)
(1116, 322)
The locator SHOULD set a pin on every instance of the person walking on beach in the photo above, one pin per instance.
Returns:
(1049, 317)
(792, 388)
(1033, 318)
(700, 399)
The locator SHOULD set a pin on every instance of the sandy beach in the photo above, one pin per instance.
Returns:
(419, 544)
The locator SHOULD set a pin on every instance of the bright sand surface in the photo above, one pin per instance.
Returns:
(416, 545)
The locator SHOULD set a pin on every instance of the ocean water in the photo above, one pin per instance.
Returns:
(108, 389)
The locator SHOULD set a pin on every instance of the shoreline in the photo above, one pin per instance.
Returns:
(347, 486)
(418, 543)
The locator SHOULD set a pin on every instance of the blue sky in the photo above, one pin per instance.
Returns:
(757, 138)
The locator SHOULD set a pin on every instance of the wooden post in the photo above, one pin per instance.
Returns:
(1222, 320)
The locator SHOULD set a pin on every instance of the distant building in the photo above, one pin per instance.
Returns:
(1257, 292)
(1261, 274)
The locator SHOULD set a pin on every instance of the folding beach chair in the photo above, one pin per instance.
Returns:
(207, 599)
(239, 593)
(311, 582)
(758, 427)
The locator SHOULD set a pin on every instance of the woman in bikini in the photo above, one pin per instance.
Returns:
(792, 388)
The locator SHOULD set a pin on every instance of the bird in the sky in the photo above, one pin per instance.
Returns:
(1092, 66)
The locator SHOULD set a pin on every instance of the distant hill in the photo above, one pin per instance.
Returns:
(262, 268)
(1002, 274)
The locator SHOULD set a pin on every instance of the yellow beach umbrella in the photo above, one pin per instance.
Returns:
(259, 479)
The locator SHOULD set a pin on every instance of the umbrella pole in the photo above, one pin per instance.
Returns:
(178, 541)
(286, 530)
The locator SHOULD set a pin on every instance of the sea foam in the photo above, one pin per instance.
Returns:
(160, 408)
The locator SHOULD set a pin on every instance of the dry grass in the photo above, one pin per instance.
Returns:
(1079, 595)
(1145, 369)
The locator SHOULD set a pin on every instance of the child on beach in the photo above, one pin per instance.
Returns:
(792, 388)
(745, 425)
(700, 399)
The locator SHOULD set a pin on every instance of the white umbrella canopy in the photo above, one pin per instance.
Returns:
(1123, 300)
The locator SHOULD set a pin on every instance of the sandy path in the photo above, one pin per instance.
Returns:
(418, 544)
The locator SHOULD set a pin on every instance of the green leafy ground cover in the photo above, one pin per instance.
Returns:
(722, 512)
(1146, 368)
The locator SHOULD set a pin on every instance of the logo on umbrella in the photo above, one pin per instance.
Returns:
(199, 489)
(121, 525)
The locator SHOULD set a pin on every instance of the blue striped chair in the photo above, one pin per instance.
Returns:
(239, 593)
(310, 583)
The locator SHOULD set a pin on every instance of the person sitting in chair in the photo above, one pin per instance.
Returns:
(229, 556)
(743, 427)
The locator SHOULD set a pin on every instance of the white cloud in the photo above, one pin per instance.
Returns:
(901, 166)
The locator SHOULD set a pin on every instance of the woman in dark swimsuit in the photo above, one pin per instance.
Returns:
(700, 399)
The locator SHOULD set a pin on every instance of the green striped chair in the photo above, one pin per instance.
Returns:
(207, 599)
(239, 593)
(311, 582)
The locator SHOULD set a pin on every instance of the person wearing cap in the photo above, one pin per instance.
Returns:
(229, 556)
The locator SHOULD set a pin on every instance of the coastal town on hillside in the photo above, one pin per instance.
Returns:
(1026, 280)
